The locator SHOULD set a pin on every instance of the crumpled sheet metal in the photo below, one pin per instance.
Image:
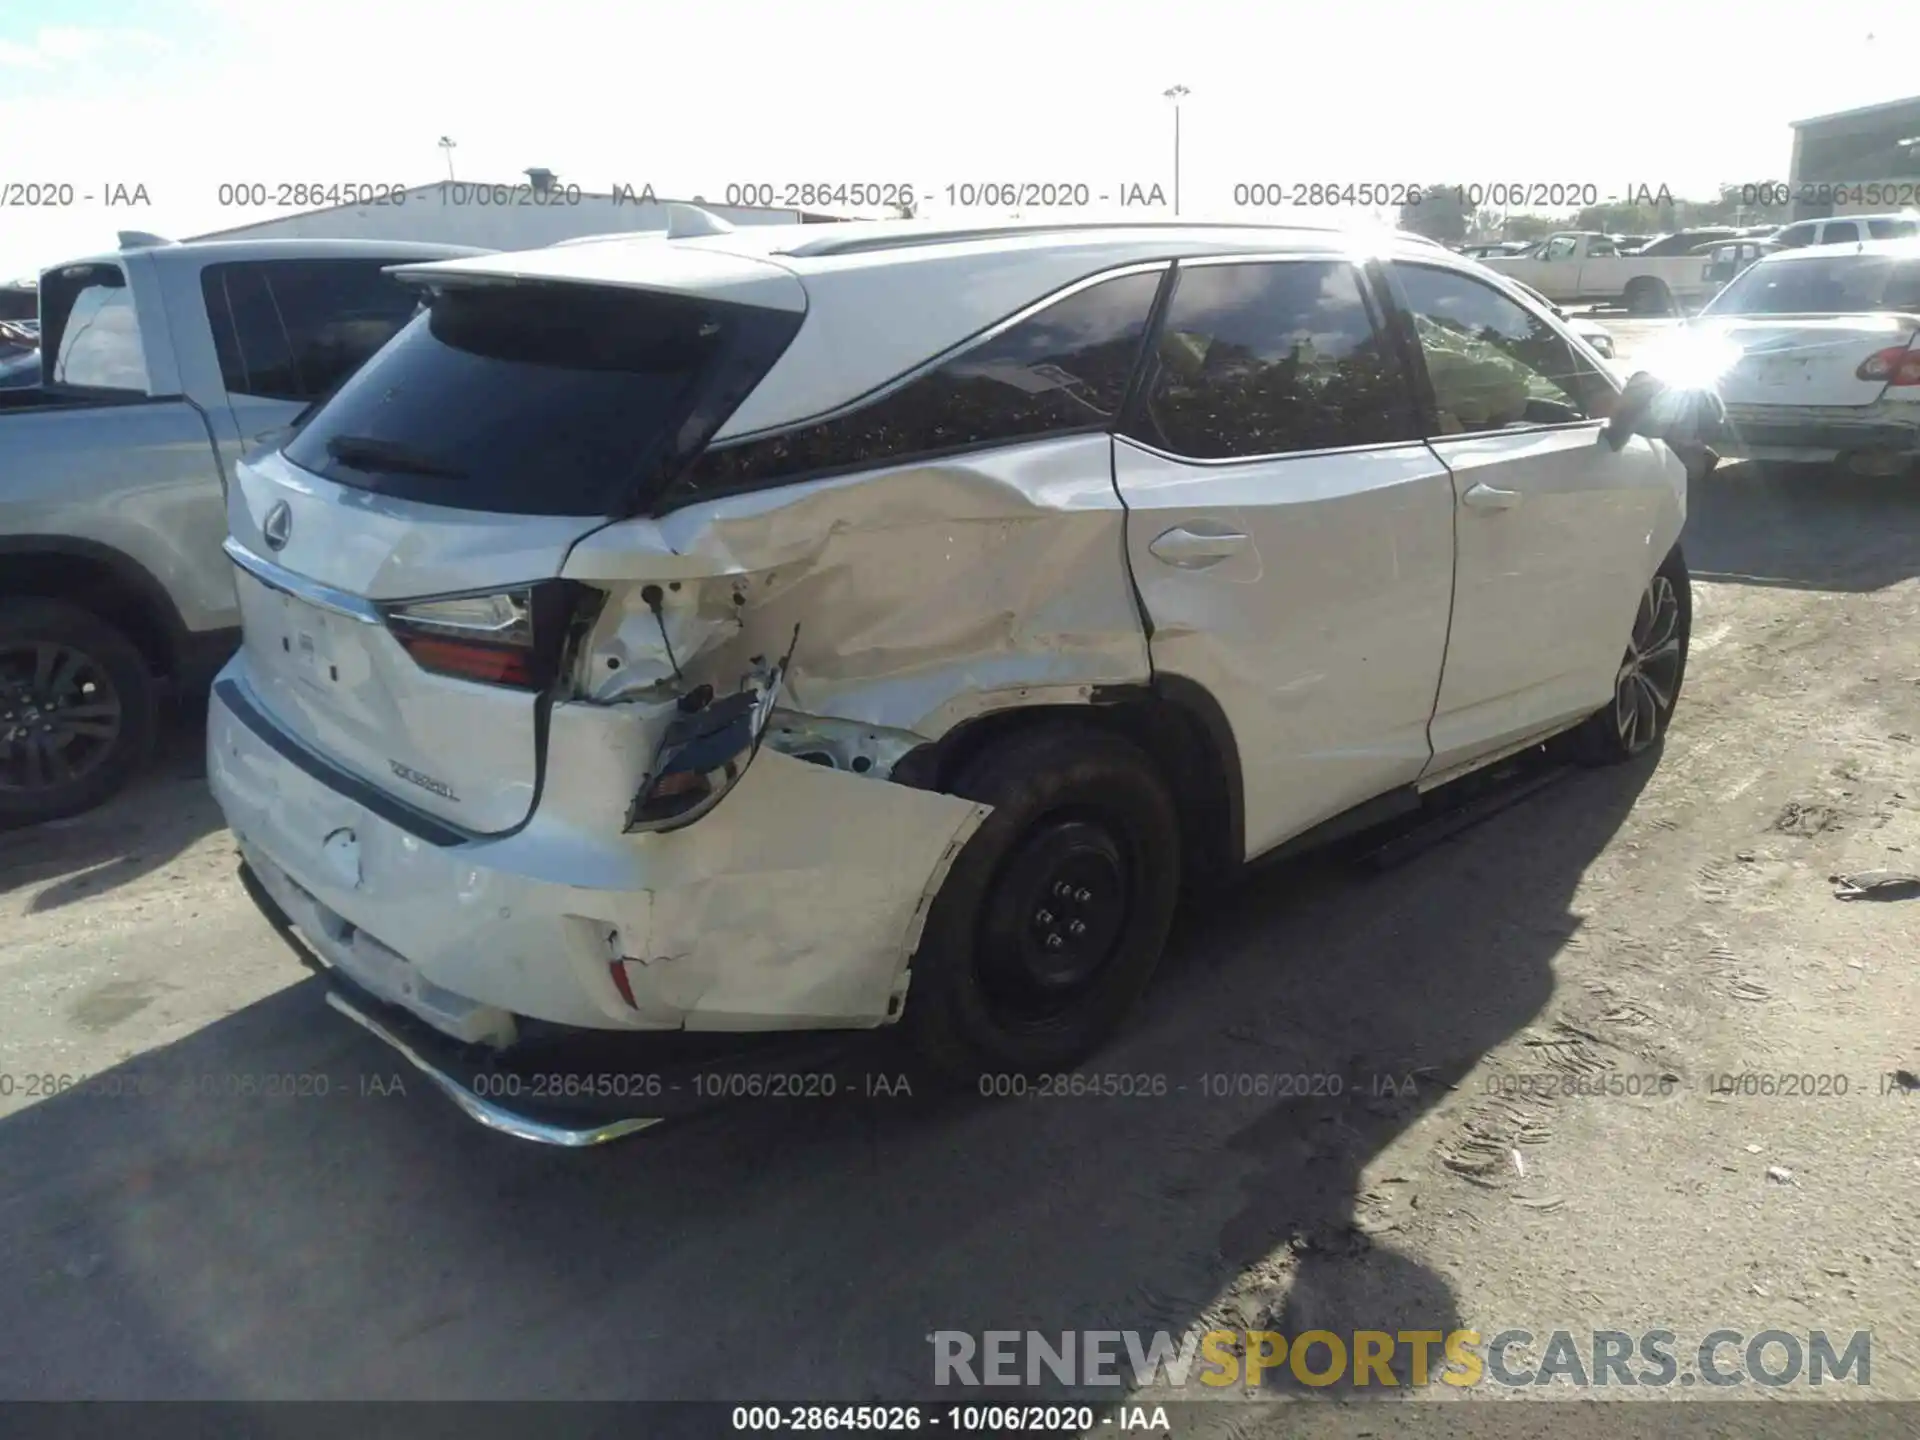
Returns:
(800, 907)
(925, 595)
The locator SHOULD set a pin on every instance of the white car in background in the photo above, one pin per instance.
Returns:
(1816, 354)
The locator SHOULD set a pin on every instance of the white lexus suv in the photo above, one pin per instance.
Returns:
(833, 626)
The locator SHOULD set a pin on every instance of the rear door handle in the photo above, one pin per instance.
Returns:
(1192, 551)
(1485, 497)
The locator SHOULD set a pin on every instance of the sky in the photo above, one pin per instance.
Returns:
(180, 96)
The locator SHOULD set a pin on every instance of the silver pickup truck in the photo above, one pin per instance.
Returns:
(161, 364)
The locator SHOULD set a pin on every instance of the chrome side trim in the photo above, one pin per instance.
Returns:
(494, 1117)
(275, 577)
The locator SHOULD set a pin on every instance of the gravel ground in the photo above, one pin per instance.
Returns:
(1667, 919)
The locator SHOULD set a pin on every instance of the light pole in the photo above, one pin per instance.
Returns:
(447, 145)
(1175, 93)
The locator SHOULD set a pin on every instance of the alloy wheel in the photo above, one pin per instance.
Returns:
(1649, 677)
(60, 715)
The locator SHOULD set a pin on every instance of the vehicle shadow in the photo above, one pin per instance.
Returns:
(1803, 528)
(259, 1211)
(164, 811)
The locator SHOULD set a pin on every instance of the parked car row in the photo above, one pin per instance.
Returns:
(1586, 266)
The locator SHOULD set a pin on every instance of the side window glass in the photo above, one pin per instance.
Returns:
(1796, 235)
(1273, 358)
(248, 336)
(1492, 363)
(1559, 248)
(1840, 232)
(1062, 370)
(99, 346)
(336, 313)
(1600, 246)
(293, 329)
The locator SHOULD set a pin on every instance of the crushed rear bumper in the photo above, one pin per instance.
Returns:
(565, 1086)
(1820, 435)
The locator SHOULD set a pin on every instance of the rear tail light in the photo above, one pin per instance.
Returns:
(511, 638)
(1896, 366)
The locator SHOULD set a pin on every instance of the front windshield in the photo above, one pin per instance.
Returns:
(1828, 285)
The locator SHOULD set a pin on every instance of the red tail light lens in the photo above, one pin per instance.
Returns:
(1896, 366)
(508, 637)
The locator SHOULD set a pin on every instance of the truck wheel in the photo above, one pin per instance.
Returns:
(76, 710)
(1647, 686)
(1051, 921)
(1647, 296)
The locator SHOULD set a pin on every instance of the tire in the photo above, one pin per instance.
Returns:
(1074, 807)
(1654, 667)
(1648, 297)
(100, 726)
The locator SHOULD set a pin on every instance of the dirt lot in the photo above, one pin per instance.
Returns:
(1670, 919)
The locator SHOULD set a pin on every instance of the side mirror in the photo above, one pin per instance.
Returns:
(1683, 418)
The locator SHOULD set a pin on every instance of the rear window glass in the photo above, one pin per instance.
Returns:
(294, 329)
(1839, 285)
(534, 399)
(92, 330)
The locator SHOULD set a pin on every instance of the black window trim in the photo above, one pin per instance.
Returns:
(1429, 404)
(1132, 424)
(674, 497)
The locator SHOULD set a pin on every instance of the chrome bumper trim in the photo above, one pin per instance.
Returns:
(489, 1114)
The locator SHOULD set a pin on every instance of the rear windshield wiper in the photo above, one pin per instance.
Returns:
(365, 453)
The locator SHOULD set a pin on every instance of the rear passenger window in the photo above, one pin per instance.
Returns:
(1840, 232)
(1273, 358)
(1493, 364)
(1891, 229)
(293, 329)
(1058, 372)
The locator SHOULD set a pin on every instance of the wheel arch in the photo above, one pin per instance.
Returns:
(1175, 720)
(107, 582)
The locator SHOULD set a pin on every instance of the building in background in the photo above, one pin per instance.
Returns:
(1856, 151)
(539, 210)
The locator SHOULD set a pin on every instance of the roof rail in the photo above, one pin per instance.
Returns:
(835, 241)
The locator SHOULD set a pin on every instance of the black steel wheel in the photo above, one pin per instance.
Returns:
(1053, 918)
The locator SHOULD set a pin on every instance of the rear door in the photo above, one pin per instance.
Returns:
(397, 563)
(1290, 537)
(1554, 526)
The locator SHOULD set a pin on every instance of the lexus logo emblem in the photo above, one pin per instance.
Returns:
(277, 526)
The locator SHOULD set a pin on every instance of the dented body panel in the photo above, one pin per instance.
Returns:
(903, 602)
(925, 594)
(761, 918)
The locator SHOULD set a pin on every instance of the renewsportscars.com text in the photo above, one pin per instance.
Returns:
(1213, 1360)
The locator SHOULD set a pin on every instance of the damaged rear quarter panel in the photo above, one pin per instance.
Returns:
(925, 594)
